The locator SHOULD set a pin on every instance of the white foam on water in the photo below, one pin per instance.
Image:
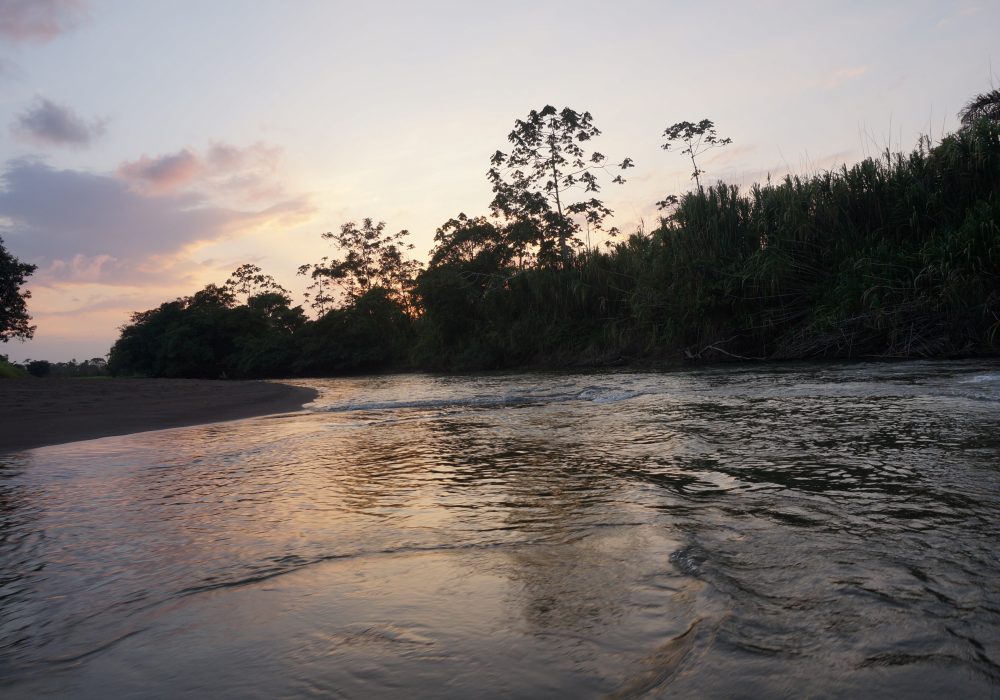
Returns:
(982, 378)
(597, 395)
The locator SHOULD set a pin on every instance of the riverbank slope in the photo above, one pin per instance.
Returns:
(35, 413)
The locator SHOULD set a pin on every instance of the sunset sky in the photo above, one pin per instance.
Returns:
(148, 148)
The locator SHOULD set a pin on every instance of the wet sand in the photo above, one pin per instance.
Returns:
(39, 412)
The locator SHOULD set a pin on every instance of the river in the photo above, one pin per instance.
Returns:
(790, 531)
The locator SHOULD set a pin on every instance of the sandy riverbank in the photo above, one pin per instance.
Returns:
(38, 412)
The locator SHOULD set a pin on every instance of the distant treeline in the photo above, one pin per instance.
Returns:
(897, 256)
(95, 367)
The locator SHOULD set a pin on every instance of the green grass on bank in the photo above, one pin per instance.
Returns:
(9, 371)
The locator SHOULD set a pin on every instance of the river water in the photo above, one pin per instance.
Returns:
(799, 531)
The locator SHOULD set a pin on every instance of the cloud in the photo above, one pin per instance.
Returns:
(247, 174)
(85, 227)
(226, 158)
(49, 124)
(107, 244)
(163, 173)
(840, 76)
(103, 303)
(39, 21)
(960, 13)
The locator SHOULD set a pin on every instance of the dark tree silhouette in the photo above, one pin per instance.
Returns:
(14, 319)
(984, 106)
(539, 179)
(250, 281)
(39, 368)
(372, 260)
(697, 138)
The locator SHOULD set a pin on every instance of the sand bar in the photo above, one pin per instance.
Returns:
(39, 412)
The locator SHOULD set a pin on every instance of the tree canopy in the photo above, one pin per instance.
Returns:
(14, 319)
(550, 179)
(984, 106)
(697, 138)
(895, 256)
(372, 259)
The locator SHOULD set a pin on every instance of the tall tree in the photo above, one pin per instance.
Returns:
(14, 319)
(373, 259)
(250, 281)
(550, 178)
(697, 138)
(320, 292)
(476, 241)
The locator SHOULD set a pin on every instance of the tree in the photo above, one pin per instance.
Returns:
(14, 318)
(250, 280)
(985, 106)
(478, 242)
(372, 260)
(697, 138)
(547, 164)
(212, 296)
(319, 293)
(39, 368)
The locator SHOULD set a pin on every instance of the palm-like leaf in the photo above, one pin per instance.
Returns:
(984, 106)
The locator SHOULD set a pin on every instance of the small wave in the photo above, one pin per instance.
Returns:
(664, 664)
(607, 396)
(597, 395)
(981, 379)
(473, 402)
(281, 566)
(979, 387)
(688, 560)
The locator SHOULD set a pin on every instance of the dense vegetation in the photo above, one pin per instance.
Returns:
(95, 367)
(14, 319)
(9, 370)
(896, 256)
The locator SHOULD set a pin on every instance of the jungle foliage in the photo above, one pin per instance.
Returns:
(14, 319)
(896, 256)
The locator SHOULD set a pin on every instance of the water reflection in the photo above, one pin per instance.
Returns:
(806, 530)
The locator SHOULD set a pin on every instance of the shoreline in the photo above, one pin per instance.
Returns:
(44, 412)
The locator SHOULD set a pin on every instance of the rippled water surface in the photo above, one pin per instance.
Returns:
(821, 531)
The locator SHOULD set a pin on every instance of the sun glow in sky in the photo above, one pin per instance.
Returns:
(148, 148)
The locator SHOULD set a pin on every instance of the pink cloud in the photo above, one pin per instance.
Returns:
(163, 173)
(88, 228)
(39, 20)
(79, 268)
(224, 157)
(248, 174)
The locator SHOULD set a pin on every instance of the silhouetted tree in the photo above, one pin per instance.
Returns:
(250, 280)
(14, 318)
(209, 335)
(480, 242)
(372, 260)
(547, 166)
(320, 292)
(984, 106)
(39, 368)
(212, 296)
(697, 138)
